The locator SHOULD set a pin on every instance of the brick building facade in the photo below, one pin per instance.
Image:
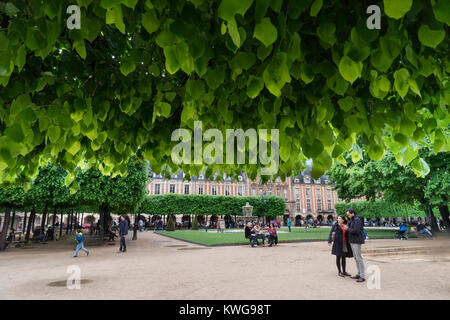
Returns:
(305, 197)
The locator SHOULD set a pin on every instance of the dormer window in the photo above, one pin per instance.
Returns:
(306, 179)
(201, 177)
(296, 180)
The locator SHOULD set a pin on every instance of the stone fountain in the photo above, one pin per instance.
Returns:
(247, 211)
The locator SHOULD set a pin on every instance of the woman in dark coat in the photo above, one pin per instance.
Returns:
(341, 246)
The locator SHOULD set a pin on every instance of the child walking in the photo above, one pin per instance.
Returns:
(80, 244)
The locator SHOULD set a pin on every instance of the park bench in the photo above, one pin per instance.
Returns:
(412, 231)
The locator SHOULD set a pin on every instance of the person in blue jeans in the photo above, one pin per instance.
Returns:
(123, 231)
(80, 244)
(421, 228)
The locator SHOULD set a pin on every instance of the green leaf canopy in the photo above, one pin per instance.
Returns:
(137, 70)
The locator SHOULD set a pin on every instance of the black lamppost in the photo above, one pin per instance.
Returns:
(264, 203)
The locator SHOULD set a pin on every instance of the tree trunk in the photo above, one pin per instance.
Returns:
(432, 218)
(30, 224)
(5, 229)
(24, 223)
(54, 217)
(71, 221)
(102, 210)
(135, 227)
(68, 222)
(13, 219)
(443, 209)
(44, 217)
(61, 224)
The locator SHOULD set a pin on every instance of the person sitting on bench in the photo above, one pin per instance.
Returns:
(258, 234)
(112, 235)
(249, 234)
(421, 228)
(273, 238)
(11, 238)
(402, 231)
(37, 236)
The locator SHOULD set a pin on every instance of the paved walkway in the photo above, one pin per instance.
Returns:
(156, 267)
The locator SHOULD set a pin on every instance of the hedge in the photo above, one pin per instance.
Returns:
(165, 204)
(379, 208)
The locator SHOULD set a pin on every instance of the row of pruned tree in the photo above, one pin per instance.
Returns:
(95, 193)
(398, 184)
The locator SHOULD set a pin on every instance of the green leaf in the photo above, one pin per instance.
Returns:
(266, 32)
(397, 8)
(381, 60)
(325, 31)
(317, 170)
(15, 133)
(234, 32)
(6, 64)
(441, 11)
(150, 21)
(53, 133)
(315, 8)
(420, 167)
(349, 69)
(162, 109)
(127, 66)
(74, 147)
(294, 49)
(21, 58)
(407, 126)
(263, 52)
(261, 7)
(401, 84)
(195, 88)
(254, 86)
(11, 9)
(376, 151)
(430, 38)
(214, 78)
(172, 63)
(79, 46)
(346, 103)
(229, 8)
(414, 87)
(312, 150)
(129, 3)
(276, 74)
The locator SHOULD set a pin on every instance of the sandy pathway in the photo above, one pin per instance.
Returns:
(156, 267)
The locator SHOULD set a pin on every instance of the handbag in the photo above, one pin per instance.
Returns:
(344, 248)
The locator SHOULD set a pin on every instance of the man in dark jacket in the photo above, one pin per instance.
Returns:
(356, 238)
(123, 231)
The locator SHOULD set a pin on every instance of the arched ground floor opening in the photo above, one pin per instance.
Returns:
(201, 219)
(286, 218)
(298, 220)
(330, 219)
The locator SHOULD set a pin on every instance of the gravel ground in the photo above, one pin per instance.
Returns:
(156, 267)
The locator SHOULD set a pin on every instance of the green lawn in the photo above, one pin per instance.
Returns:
(212, 238)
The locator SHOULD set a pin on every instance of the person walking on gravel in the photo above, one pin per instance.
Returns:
(123, 231)
(80, 244)
(355, 231)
